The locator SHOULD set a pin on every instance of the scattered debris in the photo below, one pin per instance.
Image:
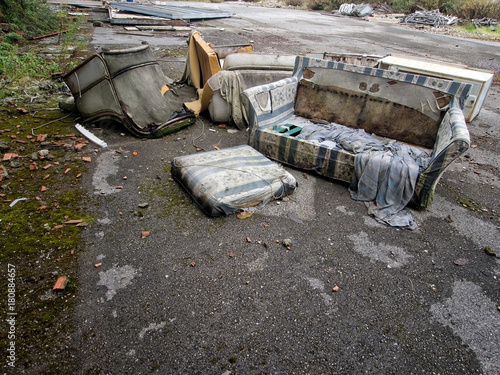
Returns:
(488, 250)
(60, 284)
(15, 201)
(287, 242)
(145, 233)
(90, 136)
(461, 261)
(483, 22)
(432, 18)
(357, 10)
(75, 221)
(244, 214)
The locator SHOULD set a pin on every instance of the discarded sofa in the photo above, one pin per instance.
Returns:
(204, 60)
(221, 73)
(233, 179)
(391, 135)
(128, 86)
(240, 72)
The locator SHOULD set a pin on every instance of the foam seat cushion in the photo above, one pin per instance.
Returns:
(224, 181)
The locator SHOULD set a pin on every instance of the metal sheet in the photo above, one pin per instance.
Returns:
(171, 12)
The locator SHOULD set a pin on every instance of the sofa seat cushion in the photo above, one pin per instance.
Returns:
(232, 179)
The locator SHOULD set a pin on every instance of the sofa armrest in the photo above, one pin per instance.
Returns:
(269, 104)
(452, 140)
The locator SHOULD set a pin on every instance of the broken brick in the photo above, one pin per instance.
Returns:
(9, 156)
(74, 221)
(79, 146)
(61, 283)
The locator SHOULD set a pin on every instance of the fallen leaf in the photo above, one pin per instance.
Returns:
(145, 233)
(97, 265)
(295, 217)
(67, 170)
(488, 250)
(335, 288)
(74, 221)
(119, 187)
(193, 264)
(58, 227)
(43, 188)
(231, 254)
(86, 159)
(461, 261)
(244, 214)
(248, 239)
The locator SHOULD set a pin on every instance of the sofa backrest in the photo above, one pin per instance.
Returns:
(400, 106)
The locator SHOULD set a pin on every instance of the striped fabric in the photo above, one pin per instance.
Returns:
(225, 181)
(271, 107)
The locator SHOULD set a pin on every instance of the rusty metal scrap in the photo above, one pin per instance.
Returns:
(430, 18)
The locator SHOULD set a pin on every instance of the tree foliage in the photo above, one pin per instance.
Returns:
(30, 17)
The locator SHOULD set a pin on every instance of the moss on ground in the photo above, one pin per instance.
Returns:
(42, 167)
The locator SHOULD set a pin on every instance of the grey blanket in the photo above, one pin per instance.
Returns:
(385, 173)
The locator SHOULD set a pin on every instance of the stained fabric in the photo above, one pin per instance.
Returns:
(233, 179)
(385, 172)
(128, 86)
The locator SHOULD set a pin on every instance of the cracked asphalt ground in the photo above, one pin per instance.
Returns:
(203, 295)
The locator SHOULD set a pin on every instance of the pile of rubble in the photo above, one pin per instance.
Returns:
(483, 22)
(430, 18)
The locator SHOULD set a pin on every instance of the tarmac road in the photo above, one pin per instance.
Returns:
(196, 297)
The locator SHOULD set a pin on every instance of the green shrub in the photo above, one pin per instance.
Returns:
(31, 17)
(294, 3)
(322, 5)
(471, 9)
(24, 67)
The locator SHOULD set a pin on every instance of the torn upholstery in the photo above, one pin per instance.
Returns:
(127, 86)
